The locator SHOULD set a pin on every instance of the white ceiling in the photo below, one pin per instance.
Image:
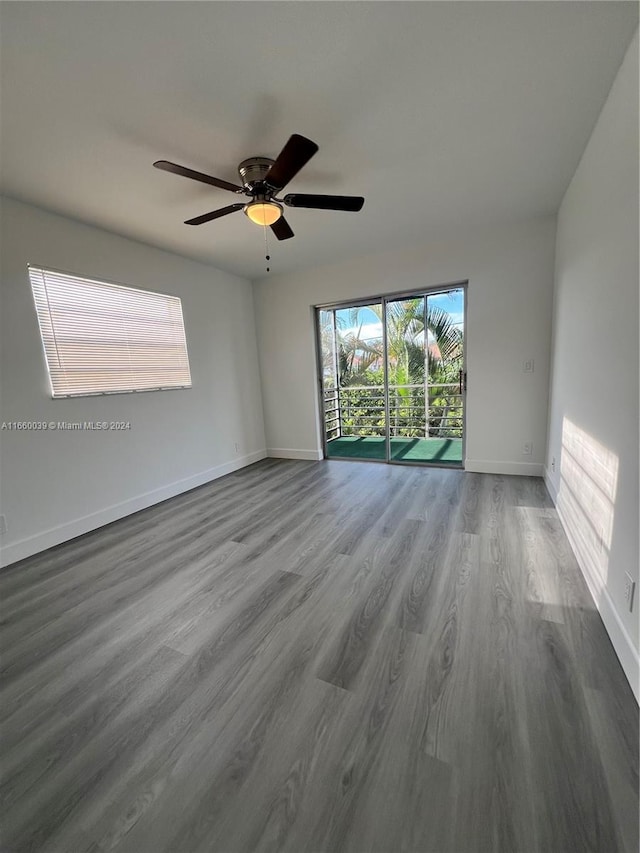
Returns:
(440, 114)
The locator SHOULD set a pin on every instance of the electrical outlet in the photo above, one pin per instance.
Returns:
(527, 366)
(236, 446)
(3, 525)
(629, 590)
(527, 448)
(553, 463)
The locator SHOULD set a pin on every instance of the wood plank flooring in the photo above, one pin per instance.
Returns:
(314, 657)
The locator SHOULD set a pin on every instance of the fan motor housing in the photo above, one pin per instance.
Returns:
(253, 171)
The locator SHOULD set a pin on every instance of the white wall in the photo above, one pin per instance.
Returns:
(510, 274)
(55, 485)
(593, 423)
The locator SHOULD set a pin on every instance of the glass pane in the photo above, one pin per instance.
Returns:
(326, 328)
(356, 398)
(425, 337)
(406, 371)
(445, 324)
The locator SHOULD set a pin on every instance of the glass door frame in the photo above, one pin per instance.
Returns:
(383, 299)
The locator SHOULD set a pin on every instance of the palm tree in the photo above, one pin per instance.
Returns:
(356, 356)
(412, 360)
(405, 338)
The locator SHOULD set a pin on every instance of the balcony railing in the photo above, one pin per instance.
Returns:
(359, 410)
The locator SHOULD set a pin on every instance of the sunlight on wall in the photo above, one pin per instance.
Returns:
(588, 484)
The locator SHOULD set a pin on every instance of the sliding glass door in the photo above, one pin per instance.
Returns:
(393, 378)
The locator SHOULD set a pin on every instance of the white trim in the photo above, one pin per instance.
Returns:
(15, 551)
(487, 466)
(620, 640)
(287, 453)
(551, 486)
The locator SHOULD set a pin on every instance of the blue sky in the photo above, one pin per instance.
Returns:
(452, 302)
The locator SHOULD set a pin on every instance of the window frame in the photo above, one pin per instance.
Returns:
(42, 269)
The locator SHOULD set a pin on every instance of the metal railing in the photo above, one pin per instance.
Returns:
(360, 410)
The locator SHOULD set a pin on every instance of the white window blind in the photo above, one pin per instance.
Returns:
(102, 338)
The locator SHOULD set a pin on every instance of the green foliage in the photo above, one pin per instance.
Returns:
(361, 367)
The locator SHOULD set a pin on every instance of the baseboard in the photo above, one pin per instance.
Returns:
(620, 639)
(487, 466)
(15, 551)
(551, 486)
(287, 453)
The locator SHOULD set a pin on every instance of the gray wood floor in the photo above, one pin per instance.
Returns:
(307, 657)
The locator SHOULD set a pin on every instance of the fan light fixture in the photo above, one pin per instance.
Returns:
(263, 212)
(260, 179)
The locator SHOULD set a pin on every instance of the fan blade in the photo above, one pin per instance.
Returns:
(295, 154)
(325, 202)
(215, 214)
(282, 229)
(166, 166)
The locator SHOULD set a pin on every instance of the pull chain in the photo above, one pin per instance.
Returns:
(266, 247)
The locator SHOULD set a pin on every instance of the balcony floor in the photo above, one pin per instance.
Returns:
(439, 451)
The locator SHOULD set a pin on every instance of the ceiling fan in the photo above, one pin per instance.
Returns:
(261, 179)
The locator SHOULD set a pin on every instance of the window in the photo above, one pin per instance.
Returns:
(102, 338)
